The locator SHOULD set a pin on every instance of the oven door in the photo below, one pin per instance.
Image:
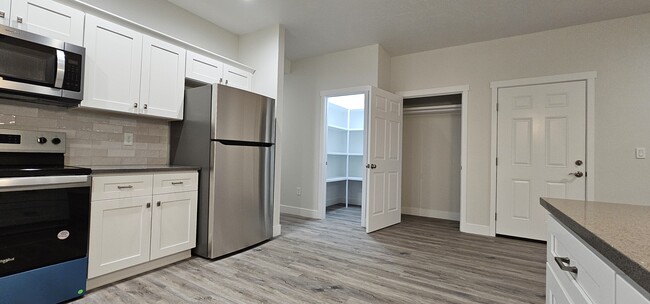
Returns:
(43, 221)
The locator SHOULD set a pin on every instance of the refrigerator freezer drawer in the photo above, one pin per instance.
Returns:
(241, 205)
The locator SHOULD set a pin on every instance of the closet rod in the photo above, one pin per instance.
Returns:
(432, 109)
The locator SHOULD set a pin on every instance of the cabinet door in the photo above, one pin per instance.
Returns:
(113, 63)
(202, 68)
(48, 18)
(119, 234)
(173, 227)
(625, 293)
(554, 292)
(236, 77)
(5, 12)
(163, 79)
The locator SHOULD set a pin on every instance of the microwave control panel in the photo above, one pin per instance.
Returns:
(73, 72)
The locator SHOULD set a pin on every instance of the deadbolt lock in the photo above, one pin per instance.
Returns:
(578, 163)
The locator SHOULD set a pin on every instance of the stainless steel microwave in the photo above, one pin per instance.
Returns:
(40, 69)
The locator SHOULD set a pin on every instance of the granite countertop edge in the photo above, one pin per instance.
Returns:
(628, 266)
(141, 168)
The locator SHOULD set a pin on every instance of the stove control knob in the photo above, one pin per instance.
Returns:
(56, 140)
(41, 140)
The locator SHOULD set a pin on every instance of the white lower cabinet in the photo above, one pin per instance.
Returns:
(141, 228)
(576, 274)
(120, 233)
(173, 223)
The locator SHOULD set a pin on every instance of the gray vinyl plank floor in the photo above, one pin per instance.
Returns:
(421, 260)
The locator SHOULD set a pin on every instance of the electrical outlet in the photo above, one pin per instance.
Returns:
(299, 191)
(128, 139)
(640, 153)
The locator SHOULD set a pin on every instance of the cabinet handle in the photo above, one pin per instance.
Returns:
(220, 80)
(148, 205)
(145, 106)
(564, 264)
(226, 81)
(158, 203)
(125, 187)
(2, 14)
(135, 104)
(177, 183)
(19, 19)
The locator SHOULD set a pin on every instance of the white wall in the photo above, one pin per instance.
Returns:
(261, 50)
(618, 50)
(431, 165)
(302, 107)
(172, 20)
(264, 50)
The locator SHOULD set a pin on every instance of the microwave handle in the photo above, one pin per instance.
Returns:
(60, 69)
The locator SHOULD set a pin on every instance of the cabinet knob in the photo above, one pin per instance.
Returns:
(158, 203)
(2, 14)
(145, 106)
(226, 81)
(19, 19)
(220, 80)
(148, 205)
(135, 104)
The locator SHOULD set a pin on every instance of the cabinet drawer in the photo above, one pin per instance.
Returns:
(175, 182)
(121, 186)
(594, 281)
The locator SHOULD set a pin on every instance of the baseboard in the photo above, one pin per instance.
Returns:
(299, 211)
(445, 215)
(135, 270)
(277, 230)
(475, 229)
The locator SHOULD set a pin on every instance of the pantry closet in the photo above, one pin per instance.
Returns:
(344, 143)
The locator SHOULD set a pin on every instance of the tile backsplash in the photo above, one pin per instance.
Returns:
(94, 138)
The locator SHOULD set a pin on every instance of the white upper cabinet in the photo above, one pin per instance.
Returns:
(209, 70)
(163, 79)
(113, 65)
(129, 72)
(203, 68)
(48, 18)
(5, 11)
(236, 77)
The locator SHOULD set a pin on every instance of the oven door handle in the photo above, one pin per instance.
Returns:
(43, 182)
(60, 69)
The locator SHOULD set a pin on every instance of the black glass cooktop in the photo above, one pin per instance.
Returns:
(11, 171)
(36, 164)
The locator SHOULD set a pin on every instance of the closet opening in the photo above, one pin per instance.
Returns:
(344, 144)
(431, 168)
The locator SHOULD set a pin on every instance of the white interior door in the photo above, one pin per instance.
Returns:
(384, 160)
(541, 153)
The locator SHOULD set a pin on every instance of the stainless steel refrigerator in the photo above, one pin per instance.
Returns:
(230, 134)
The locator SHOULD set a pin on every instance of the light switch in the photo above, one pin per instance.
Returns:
(640, 153)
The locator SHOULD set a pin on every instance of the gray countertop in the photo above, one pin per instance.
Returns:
(619, 232)
(141, 168)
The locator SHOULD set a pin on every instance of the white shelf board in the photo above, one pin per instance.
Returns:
(355, 154)
(357, 179)
(337, 127)
(337, 153)
(355, 130)
(336, 179)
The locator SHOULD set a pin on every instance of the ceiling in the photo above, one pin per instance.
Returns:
(316, 27)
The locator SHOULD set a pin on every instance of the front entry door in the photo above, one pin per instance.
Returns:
(384, 160)
(541, 153)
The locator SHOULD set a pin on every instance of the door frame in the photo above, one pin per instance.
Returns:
(321, 180)
(451, 90)
(590, 165)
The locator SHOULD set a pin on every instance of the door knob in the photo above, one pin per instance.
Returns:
(577, 174)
